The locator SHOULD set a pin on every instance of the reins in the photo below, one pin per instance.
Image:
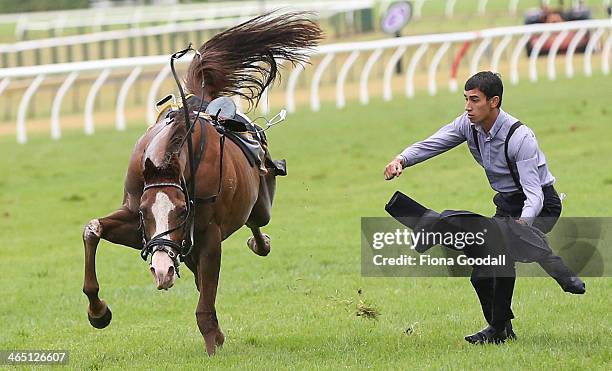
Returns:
(178, 252)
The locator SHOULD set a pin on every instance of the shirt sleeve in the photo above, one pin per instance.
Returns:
(447, 137)
(527, 166)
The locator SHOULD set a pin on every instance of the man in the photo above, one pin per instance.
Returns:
(515, 167)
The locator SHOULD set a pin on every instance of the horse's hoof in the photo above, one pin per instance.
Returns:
(220, 339)
(256, 249)
(101, 322)
(214, 341)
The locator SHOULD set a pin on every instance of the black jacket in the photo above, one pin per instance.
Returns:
(503, 235)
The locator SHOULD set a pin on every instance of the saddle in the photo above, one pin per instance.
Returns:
(249, 137)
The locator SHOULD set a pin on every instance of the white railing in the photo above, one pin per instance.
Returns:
(131, 16)
(95, 37)
(160, 30)
(600, 41)
(203, 12)
(58, 20)
(443, 42)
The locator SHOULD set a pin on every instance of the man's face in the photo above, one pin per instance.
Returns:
(478, 108)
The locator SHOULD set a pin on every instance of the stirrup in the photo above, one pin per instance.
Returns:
(280, 167)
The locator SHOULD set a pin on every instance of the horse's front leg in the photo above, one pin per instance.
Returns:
(209, 263)
(120, 227)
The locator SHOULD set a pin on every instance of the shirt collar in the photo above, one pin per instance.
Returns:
(499, 122)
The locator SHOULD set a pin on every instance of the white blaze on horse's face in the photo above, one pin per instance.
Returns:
(162, 266)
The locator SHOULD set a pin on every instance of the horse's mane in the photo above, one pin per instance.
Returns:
(167, 166)
(242, 60)
(178, 131)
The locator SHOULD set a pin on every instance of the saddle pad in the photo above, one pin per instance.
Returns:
(248, 147)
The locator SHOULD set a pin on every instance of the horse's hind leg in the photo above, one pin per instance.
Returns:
(259, 243)
(120, 227)
(260, 216)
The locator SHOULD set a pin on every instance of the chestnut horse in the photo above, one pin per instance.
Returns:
(174, 215)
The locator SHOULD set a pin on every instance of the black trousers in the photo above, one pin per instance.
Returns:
(495, 287)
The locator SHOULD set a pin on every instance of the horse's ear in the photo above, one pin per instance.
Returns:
(149, 169)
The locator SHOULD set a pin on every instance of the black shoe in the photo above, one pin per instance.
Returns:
(509, 331)
(572, 285)
(487, 335)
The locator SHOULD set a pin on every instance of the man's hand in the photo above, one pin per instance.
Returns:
(522, 221)
(393, 169)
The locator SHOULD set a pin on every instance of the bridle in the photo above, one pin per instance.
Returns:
(179, 251)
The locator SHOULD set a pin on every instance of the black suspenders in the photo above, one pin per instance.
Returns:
(511, 166)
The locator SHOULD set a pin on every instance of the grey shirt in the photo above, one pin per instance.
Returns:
(523, 149)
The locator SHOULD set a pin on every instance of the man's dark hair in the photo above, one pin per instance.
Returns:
(487, 82)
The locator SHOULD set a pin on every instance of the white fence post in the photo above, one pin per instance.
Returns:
(21, 26)
(497, 53)
(450, 8)
(569, 54)
(512, 6)
(365, 75)
(433, 67)
(340, 98)
(123, 92)
(418, 9)
(482, 5)
(22, 136)
(4, 83)
(516, 53)
(291, 83)
(552, 54)
(418, 54)
(484, 44)
(588, 53)
(315, 104)
(56, 108)
(535, 53)
(152, 96)
(605, 56)
(387, 89)
(91, 100)
(264, 102)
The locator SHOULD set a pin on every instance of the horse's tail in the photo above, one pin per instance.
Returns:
(241, 60)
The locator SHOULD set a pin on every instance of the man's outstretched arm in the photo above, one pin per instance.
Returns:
(447, 137)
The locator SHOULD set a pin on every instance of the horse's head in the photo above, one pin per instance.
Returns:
(165, 214)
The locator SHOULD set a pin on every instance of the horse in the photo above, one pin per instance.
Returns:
(186, 188)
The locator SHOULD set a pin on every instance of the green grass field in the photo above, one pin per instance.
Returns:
(296, 308)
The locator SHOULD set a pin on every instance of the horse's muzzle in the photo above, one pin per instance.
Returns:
(163, 270)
